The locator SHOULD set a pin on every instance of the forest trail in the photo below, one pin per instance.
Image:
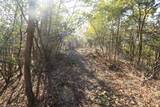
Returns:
(79, 53)
(82, 78)
(86, 81)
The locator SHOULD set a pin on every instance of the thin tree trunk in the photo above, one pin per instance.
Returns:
(27, 56)
(118, 39)
(140, 49)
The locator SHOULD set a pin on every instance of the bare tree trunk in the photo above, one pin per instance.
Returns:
(27, 56)
(132, 47)
(140, 49)
(118, 42)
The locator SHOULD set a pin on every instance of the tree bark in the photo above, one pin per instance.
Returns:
(27, 56)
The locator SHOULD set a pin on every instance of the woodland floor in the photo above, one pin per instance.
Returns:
(83, 79)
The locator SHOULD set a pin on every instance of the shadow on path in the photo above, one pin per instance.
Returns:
(75, 83)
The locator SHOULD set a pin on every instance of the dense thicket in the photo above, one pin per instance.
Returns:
(31, 34)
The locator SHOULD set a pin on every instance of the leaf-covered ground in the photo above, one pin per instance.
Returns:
(83, 79)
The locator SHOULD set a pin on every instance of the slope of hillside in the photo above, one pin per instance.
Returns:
(83, 78)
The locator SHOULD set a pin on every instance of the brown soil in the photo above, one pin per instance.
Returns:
(83, 79)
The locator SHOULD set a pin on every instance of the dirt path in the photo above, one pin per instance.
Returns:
(87, 82)
(82, 79)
